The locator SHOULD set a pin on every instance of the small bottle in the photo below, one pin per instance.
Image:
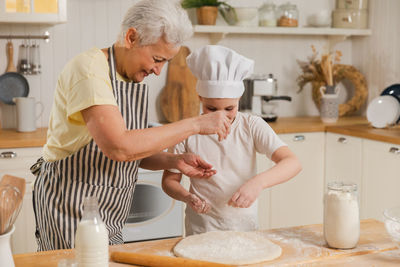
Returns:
(341, 215)
(91, 238)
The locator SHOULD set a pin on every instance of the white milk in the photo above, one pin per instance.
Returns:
(341, 216)
(91, 239)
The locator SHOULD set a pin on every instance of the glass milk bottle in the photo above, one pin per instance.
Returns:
(341, 215)
(91, 238)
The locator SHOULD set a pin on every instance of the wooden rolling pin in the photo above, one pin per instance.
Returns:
(152, 260)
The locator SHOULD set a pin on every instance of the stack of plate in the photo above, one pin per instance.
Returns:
(384, 110)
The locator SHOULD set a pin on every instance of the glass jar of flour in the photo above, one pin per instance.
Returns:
(341, 215)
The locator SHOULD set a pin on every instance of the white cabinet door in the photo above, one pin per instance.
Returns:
(264, 200)
(343, 156)
(343, 159)
(381, 171)
(33, 11)
(23, 239)
(299, 201)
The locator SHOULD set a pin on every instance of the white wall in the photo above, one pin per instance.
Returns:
(96, 23)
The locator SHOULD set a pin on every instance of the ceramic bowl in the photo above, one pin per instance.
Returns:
(393, 90)
(392, 223)
(383, 111)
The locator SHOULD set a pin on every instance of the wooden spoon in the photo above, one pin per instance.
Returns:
(10, 55)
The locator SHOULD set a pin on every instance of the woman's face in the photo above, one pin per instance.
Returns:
(141, 61)
(228, 105)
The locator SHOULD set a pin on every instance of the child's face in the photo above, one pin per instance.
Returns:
(228, 105)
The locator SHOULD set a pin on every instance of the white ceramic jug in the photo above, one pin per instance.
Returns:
(26, 113)
(6, 257)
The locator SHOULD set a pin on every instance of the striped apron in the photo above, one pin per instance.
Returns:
(61, 186)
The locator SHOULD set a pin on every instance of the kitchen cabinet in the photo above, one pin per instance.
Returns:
(381, 189)
(343, 156)
(343, 159)
(23, 240)
(299, 201)
(264, 199)
(33, 11)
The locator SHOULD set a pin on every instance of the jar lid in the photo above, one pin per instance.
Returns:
(342, 186)
(288, 5)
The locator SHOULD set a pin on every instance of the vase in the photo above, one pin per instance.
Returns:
(5, 249)
(207, 15)
(329, 109)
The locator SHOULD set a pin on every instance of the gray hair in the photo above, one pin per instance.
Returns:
(154, 19)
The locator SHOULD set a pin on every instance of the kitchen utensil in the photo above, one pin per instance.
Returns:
(393, 90)
(383, 111)
(12, 84)
(320, 19)
(26, 113)
(34, 58)
(11, 196)
(392, 223)
(179, 98)
(9, 207)
(329, 109)
(10, 56)
(24, 66)
(5, 249)
(156, 260)
(247, 16)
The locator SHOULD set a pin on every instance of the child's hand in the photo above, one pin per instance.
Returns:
(194, 166)
(197, 204)
(246, 195)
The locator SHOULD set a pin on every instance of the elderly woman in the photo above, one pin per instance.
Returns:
(98, 135)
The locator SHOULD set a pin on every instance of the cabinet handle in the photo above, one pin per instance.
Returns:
(8, 155)
(394, 150)
(298, 138)
(342, 140)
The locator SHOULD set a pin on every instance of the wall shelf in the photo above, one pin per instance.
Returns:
(217, 33)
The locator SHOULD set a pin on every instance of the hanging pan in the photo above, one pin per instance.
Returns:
(12, 84)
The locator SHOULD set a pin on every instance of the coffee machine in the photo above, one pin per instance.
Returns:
(260, 96)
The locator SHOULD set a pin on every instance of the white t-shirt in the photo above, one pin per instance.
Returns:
(234, 159)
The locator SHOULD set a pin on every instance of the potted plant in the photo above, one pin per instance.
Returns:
(207, 11)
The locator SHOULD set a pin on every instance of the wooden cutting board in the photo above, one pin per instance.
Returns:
(179, 98)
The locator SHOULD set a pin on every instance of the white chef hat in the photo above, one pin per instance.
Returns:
(220, 71)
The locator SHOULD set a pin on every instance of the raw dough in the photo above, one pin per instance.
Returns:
(228, 247)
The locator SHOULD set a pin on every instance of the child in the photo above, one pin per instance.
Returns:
(227, 200)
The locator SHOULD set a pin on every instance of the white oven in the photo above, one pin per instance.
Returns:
(153, 214)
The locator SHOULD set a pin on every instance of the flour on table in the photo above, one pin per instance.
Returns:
(228, 247)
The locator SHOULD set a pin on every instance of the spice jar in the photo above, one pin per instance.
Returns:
(288, 15)
(266, 14)
(341, 215)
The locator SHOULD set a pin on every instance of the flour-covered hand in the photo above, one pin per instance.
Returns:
(245, 196)
(197, 204)
(194, 166)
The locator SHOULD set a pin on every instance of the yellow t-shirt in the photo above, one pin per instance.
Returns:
(84, 82)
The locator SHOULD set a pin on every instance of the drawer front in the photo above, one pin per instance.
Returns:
(17, 161)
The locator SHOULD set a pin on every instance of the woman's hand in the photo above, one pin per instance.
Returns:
(193, 166)
(197, 204)
(214, 123)
(246, 195)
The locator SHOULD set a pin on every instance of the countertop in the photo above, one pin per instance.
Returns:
(301, 246)
(354, 126)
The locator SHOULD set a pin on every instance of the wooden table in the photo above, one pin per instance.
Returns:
(301, 246)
